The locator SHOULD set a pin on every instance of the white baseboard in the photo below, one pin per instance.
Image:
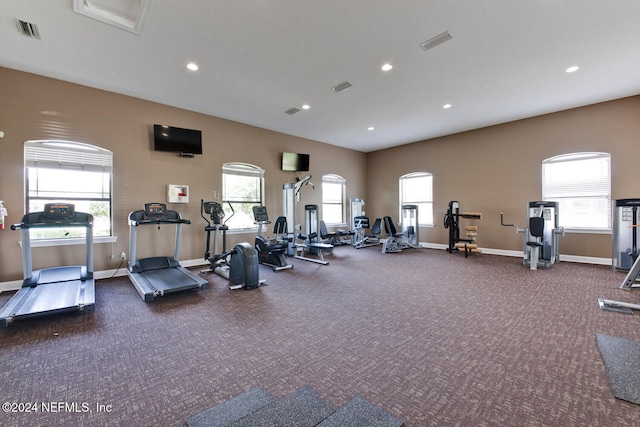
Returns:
(14, 285)
(519, 254)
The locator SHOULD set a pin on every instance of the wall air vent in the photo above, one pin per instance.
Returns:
(437, 40)
(341, 87)
(292, 111)
(29, 29)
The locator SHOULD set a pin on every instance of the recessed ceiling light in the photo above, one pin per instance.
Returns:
(306, 107)
(192, 66)
(446, 106)
(387, 67)
(572, 69)
(370, 128)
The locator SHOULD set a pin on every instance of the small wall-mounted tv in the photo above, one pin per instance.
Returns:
(177, 140)
(295, 162)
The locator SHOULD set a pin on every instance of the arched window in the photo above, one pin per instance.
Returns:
(581, 184)
(71, 172)
(333, 190)
(417, 189)
(243, 188)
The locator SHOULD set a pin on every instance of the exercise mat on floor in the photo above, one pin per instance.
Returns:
(621, 358)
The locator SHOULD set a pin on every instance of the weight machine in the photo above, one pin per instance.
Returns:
(361, 237)
(626, 233)
(409, 222)
(290, 199)
(310, 243)
(625, 238)
(628, 284)
(335, 238)
(540, 245)
(356, 215)
(360, 223)
(407, 237)
(452, 222)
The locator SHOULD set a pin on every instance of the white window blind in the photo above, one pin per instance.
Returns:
(417, 189)
(73, 172)
(581, 184)
(333, 189)
(67, 155)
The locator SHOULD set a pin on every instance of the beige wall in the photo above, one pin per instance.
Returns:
(35, 107)
(491, 170)
(498, 169)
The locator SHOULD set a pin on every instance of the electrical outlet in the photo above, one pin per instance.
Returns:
(123, 256)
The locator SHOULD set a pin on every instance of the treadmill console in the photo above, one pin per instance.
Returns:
(59, 211)
(155, 210)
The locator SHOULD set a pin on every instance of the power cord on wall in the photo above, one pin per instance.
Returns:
(122, 259)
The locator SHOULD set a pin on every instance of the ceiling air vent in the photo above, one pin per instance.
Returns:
(437, 40)
(128, 15)
(292, 111)
(29, 29)
(341, 87)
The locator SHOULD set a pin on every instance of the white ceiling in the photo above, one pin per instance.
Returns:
(259, 58)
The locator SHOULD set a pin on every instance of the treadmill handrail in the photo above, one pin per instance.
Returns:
(158, 221)
(39, 220)
(22, 225)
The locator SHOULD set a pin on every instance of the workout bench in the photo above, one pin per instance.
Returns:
(309, 245)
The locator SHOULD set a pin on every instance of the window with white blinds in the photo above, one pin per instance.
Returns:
(581, 184)
(333, 190)
(417, 189)
(70, 172)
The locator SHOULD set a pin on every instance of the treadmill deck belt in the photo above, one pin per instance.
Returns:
(49, 298)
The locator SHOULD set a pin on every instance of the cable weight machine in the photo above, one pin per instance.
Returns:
(540, 244)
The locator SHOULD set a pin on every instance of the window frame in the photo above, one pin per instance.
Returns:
(600, 191)
(416, 201)
(334, 179)
(241, 169)
(68, 156)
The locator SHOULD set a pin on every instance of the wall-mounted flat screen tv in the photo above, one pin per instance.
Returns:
(177, 140)
(295, 162)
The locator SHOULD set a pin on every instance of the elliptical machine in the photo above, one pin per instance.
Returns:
(240, 264)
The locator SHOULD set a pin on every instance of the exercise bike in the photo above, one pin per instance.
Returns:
(271, 250)
(240, 264)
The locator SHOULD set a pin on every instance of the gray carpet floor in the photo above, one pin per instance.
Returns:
(432, 338)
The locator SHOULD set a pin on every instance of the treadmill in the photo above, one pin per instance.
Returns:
(156, 276)
(57, 289)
